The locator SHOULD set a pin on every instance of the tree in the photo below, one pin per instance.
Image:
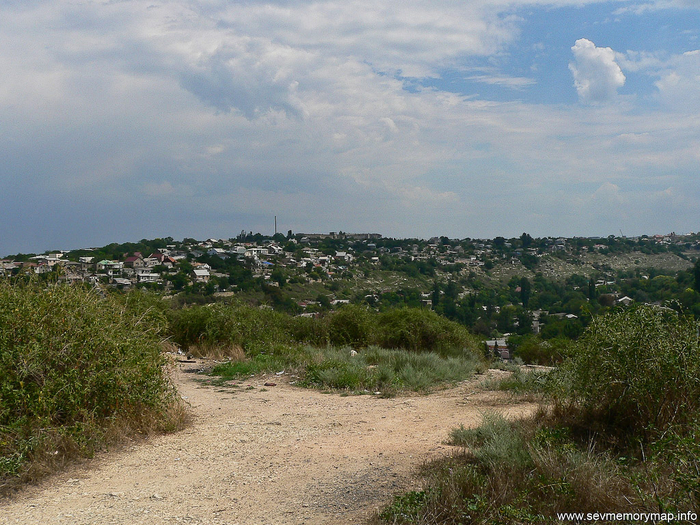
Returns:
(525, 291)
(279, 277)
(696, 275)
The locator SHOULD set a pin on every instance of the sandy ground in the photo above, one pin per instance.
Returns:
(259, 455)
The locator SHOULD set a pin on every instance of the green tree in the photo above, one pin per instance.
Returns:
(525, 291)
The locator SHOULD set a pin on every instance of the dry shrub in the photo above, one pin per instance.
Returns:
(219, 352)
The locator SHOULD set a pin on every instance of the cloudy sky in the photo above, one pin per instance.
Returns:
(130, 119)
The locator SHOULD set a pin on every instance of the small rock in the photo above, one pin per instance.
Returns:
(156, 496)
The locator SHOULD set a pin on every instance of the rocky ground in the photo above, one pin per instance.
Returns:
(262, 455)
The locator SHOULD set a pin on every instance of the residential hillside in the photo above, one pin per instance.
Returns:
(524, 286)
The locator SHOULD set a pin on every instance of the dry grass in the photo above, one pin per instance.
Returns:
(228, 352)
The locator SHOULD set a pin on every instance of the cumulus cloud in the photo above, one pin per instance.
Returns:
(597, 76)
(251, 75)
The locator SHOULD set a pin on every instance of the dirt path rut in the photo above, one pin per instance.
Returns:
(260, 455)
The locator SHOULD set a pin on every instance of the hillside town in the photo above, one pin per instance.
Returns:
(314, 257)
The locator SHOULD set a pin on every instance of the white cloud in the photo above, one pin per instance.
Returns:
(222, 113)
(679, 81)
(597, 76)
(502, 80)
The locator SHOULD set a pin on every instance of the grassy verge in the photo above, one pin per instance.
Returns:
(524, 384)
(619, 435)
(351, 349)
(372, 369)
(77, 371)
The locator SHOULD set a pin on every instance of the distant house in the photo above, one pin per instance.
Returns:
(148, 277)
(498, 347)
(200, 275)
(218, 252)
(109, 267)
(122, 284)
(135, 261)
(625, 300)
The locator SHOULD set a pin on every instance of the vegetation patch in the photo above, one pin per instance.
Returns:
(620, 433)
(368, 371)
(77, 370)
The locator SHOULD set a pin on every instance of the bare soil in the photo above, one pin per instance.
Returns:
(258, 455)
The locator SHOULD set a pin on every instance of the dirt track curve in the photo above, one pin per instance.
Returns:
(272, 455)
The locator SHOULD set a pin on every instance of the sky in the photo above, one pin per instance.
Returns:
(127, 119)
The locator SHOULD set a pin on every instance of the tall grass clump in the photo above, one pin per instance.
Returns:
(76, 369)
(385, 370)
(372, 369)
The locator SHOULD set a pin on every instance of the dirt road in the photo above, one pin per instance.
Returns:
(260, 455)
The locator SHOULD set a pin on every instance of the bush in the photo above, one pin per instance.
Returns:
(635, 372)
(423, 331)
(226, 328)
(351, 325)
(73, 365)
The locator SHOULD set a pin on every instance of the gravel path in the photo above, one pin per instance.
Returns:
(260, 455)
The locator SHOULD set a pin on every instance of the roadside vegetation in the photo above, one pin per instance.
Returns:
(351, 349)
(80, 369)
(77, 371)
(618, 433)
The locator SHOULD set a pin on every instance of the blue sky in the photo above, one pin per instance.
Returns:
(134, 119)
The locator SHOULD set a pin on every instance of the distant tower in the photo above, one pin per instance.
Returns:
(275, 224)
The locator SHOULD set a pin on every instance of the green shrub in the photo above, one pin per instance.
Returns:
(205, 329)
(495, 442)
(421, 330)
(309, 330)
(635, 372)
(351, 325)
(72, 365)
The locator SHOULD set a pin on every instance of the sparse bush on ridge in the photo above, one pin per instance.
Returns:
(214, 327)
(75, 367)
(422, 330)
(351, 325)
